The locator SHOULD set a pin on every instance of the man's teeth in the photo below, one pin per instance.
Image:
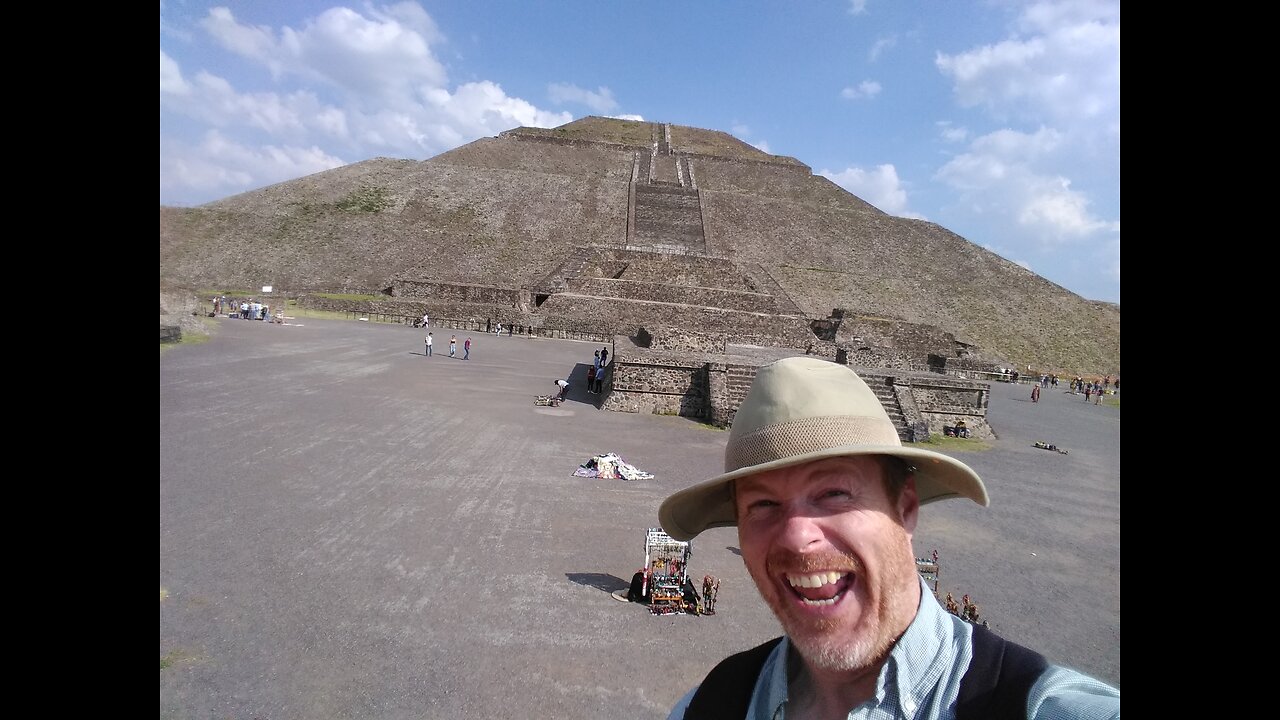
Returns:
(815, 580)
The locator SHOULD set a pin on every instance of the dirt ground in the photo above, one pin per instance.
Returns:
(349, 529)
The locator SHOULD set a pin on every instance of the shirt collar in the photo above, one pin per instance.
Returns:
(909, 675)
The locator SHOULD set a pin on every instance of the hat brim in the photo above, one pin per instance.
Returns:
(709, 504)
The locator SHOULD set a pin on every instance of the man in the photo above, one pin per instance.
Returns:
(826, 499)
(430, 342)
(563, 386)
(466, 349)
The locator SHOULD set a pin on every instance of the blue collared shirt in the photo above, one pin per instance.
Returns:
(921, 679)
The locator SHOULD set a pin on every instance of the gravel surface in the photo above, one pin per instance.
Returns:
(349, 529)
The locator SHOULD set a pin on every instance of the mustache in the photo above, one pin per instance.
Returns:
(785, 561)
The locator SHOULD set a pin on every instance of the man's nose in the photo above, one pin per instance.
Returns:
(800, 528)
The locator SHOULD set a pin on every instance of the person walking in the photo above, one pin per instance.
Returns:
(429, 344)
(453, 345)
(1035, 393)
(466, 349)
(826, 500)
(604, 356)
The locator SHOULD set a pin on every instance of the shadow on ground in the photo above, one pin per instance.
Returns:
(601, 581)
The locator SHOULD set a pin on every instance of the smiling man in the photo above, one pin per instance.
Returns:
(826, 499)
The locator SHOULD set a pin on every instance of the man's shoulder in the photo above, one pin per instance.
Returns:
(727, 689)
(1061, 693)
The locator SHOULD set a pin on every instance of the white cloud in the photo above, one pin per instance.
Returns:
(382, 59)
(866, 89)
(857, 7)
(879, 186)
(219, 165)
(739, 130)
(1051, 204)
(952, 134)
(1064, 66)
(601, 100)
(761, 145)
(484, 106)
(880, 45)
(171, 77)
(637, 118)
(346, 83)
(999, 176)
(255, 43)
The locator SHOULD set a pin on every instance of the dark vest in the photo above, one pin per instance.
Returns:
(995, 687)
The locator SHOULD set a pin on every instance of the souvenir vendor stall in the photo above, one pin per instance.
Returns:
(666, 571)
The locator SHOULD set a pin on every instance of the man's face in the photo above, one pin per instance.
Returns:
(831, 555)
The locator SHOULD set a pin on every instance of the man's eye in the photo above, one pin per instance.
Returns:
(761, 504)
(836, 494)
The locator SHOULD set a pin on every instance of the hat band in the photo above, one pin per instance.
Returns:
(800, 437)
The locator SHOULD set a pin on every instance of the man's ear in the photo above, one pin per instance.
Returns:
(909, 504)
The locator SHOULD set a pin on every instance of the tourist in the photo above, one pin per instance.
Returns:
(826, 501)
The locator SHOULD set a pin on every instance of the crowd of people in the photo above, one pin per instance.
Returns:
(249, 309)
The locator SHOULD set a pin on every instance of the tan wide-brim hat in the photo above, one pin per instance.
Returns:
(802, 409)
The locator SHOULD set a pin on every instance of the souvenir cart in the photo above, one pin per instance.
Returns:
(929, 570)
(666, 572)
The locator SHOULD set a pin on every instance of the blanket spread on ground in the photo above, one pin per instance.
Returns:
(610, 466)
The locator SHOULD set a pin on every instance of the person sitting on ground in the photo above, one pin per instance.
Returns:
(826, 500)
(962, 430)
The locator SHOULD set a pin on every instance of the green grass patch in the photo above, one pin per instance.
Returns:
(368, 199)
(209, 295)
(938, 441)
(346, 296)
(304, 312)
(172, 658)
(189, 338)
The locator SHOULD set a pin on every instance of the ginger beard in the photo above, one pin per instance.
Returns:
(874, 605)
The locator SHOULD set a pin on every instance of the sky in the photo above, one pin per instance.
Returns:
(998, 120)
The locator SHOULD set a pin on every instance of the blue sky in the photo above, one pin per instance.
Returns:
(999, 120)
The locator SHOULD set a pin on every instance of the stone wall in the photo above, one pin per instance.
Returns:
(662, 292)
(677, 339)
(626, 315)
(663, 383)
(458, 292)
(667, 379)
(688, 270)
(918, 338)
(879, 357)
(942, 400)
